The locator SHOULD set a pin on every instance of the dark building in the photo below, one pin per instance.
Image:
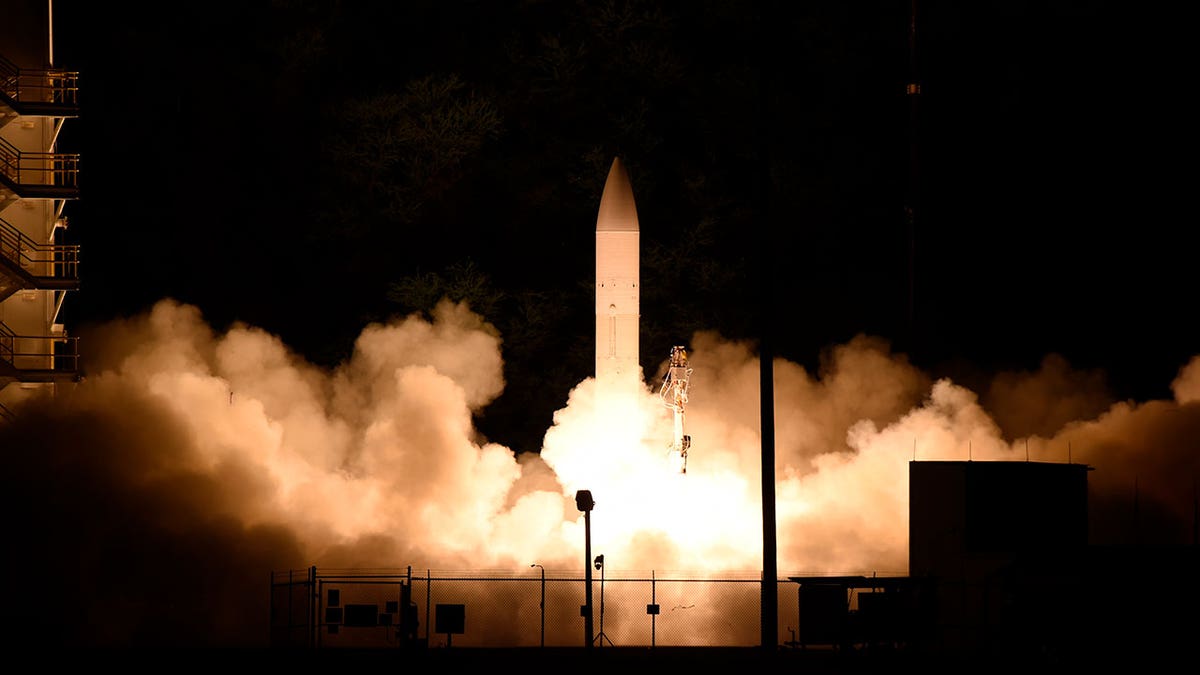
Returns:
(1002, 543)
(1002, 571)
(1004, 549)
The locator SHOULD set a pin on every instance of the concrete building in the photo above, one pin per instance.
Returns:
(38, 268)
(1005, 545)
(1002, 570)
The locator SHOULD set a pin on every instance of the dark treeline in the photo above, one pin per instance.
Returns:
(309, 166)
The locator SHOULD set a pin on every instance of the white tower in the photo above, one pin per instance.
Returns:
(37, 270)
(617, 284)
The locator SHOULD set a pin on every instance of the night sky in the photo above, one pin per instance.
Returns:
(307, 167)
(302, 170)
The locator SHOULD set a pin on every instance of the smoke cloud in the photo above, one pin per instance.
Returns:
(149, 503)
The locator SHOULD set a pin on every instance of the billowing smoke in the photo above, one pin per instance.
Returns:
(149, 503)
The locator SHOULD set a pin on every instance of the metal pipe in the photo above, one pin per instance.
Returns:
(542, 604)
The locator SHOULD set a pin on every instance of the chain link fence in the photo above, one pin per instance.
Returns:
(383, 608)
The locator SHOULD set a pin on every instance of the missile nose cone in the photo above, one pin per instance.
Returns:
(618, 212)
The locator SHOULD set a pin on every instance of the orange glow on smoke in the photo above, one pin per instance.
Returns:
(377, 462)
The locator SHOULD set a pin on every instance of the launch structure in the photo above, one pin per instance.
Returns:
(674, 394)
(38, 268)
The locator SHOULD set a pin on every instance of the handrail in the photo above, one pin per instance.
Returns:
(58, 169)
(62, 352)
(60, 260)
(38, 85)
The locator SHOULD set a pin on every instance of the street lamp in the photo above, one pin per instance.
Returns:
(542, 604)
(585, 503)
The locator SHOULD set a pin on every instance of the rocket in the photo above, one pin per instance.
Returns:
(618, 292)
(618, 310)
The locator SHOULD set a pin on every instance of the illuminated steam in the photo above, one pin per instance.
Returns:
(218, 457)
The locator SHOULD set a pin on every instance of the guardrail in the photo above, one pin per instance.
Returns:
(59, 261)
(53, 169)
(43, 353)
(33, 85)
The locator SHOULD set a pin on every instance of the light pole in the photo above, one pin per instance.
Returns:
(585, 503)
(542, 604)
(600, 566)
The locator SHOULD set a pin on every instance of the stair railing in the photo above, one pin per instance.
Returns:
(59, 353)
(60, 261)
(8, 344)
(58, 169)
(33, 85)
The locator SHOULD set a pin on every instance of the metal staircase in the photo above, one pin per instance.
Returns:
(26, 264)
(35, 270)
(44, 92)
(36, 175)
(38, 358)
(28, 93)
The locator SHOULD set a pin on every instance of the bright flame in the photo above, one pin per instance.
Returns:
(618, 445)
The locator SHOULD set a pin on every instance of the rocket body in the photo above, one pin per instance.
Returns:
(618, 283)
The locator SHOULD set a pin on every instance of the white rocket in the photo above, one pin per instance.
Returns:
(618, 286)
(618, 300)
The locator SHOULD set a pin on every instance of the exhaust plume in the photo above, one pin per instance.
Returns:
(151, 500)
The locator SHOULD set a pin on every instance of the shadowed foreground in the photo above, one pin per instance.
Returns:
(574, 660)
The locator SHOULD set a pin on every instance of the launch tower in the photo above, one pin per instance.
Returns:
(37, 269)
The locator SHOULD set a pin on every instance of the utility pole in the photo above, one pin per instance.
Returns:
(913, 91)
(769, 603)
